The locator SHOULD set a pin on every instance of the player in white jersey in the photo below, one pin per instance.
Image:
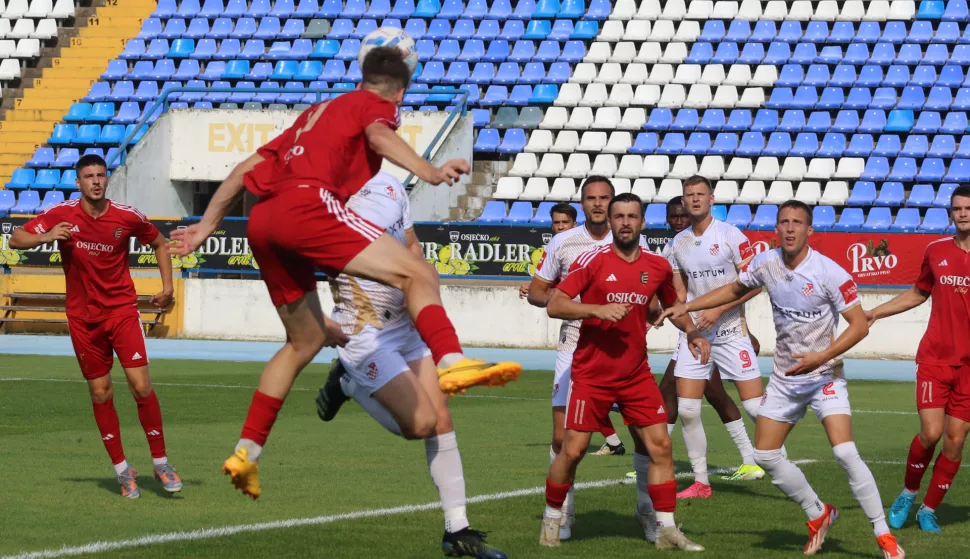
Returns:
(388, 369)
(563, 217)
(808, 292)
(678, 219)
(707, 255)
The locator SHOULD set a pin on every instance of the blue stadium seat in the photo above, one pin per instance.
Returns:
(930, 9)
(260, 8)
(43, 157)
(147, 91)
(876, 169)
(832, 98)
(542, 216)
(473, 51)
(925, 76)
(163, 70)
(77, 113)
(573, 51)
(935, 221)
(104, 111)
(959, 171)
(833, 145)
(714, 31)
(476, 9)
(660, 119)
(451, 9)
(907, 221)
(921, 196)
(433, 72)
(645, 143)
(544, 93)
(279, 50)
(242, 96)
(850, 220)
(348, 49)
(494, 212)
(403, 9)
(764, 32)
(269, 29)
(791, 75)
(157, 48)
(46, 179)
(111, 134)
(896, 76)
(260, 71)
(134, 49)
(254, 49)
(221, 29)
(333, 71)
(267, 97)
(7, 201)
(27, 202)
(804, 53)
(739, 215)
(464, 29)
(673, 144)
(726, 53)
(685, 121)
(829, 55)
(765, 218)
(779, 144)
(127, 113)
(846, 122)
(778, 53)
(513, 141)
(792, 121)
(863, 194)
(174, 29)
(823, 218)
(752, 53)
(66, 157)
(938, 55)
(887, 146)
(364, 28)
(956, 10)
(737, 32)
(559, 73)
(699, 143)
(166, 9)
(522, 51)
(655, 216)
(118, 70)
(891, 194)
(719, 212)
(483, 73)
(533, 73)
(932, 169)
(150, 29)
(23, 178)
(229, 49)
(781, 97)
(806, 145)
(943, 146)
(916, 146)
(187, 9)
(740, 119)
(700, 53)
(725, 143)
(712, 120)
(487, 141)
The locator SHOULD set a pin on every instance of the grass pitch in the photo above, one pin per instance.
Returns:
(59, 491)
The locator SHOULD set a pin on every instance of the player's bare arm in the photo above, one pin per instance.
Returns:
(414, 244)
(163, 298)
(909, 299)
(857, 330)
(707, 318)
(386, 143)
(720, 296)
(562, 306)
(25, 240)
(192, 237)
(699, 346)
(538, 292)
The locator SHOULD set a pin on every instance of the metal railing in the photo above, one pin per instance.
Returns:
(161, 105)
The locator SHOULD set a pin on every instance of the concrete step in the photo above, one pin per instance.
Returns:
(50, 83)
(116, 42)
(8, 137)
(23, 126)
(22, 152)
(480, 190)
(35, 115)
(45, 103)
(6, 170)
(471, 203)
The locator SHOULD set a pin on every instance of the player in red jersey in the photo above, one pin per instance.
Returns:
(93, 235)
(942, 366)
(300, 225)
(615, 284)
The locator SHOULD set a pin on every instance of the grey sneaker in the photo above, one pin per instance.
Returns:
(129, 487)
(670, 537)
(648, 521)
(566, 527)
(171, 481)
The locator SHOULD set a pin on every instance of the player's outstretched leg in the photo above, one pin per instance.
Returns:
(386, 260)
(150, 416)
(102, 402)
(730, 415)
(944, 470)
(613, 446)
(918, 461)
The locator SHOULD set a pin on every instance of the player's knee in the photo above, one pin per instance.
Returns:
(660, 450)
(846, 454)
(953, 444)
(769, 460)
(415, 271)
(752, 406)
(308, 346)
(101, 394)
(689, 408)
(423, 427)
(573, 453)
(141, 388)
(931, 434)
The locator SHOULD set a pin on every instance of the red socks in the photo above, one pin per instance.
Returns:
(917, 463)
(556, 493)
(943, 473)
(107, 419)
(261, 417)
(607, 431)
(150, 415)
(664, 496)
(436, 330)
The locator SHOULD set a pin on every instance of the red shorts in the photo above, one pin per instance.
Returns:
(943, 386)
(94, 341)
(640, 403)
(300, 231)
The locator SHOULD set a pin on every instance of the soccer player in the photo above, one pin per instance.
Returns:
(299, 225)
(615, 284)
(705, 256)
(808, 291)
(386, 358)
(595, 193)
(563, 217)
(942, 366)
(678, 219)
(93, 234)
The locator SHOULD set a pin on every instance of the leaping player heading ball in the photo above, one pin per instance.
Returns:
(300, 225)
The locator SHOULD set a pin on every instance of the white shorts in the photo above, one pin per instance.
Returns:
(374, 357)
(788, 401)
(560, 380)
(680, 340)
(735, 359)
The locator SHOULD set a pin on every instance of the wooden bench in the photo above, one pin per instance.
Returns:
(9, 312)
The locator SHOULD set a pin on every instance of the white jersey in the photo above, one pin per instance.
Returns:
(560, 253)
(806, 303)
(360, 302)
(709, 262)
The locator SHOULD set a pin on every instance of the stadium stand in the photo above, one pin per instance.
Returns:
(854, 103)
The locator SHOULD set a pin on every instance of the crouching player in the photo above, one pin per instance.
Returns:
(615, 284)
(388, 369)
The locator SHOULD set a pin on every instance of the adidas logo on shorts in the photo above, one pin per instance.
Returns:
(136, 355)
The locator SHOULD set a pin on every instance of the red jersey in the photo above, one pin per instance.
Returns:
(326, 147)
(945, 275)
(612, 353)
(95, 258)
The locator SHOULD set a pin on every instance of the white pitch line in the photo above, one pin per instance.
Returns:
(208, 533)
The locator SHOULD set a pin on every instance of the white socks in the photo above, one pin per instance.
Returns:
(253, 450)
(694, 438)
(640, 464)
(370, 404)
(740, 437)
(160, 461)
(670, 428)
(752, 406)
(665, 519)
(568, 505)
(121, 467)
(449, 360)
(444, 463)
(613, 440)
(863, 485)
(790, 479)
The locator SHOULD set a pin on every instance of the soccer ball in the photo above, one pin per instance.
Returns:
(390, 37)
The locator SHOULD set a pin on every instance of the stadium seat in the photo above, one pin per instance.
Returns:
(23, 178)
(891, 194)
(863, 194)
(27, 202)
(877, 219)
(520, 212)
(739, 215)
(46, 179)
(43, 157)
(765, 218)
(66, 157)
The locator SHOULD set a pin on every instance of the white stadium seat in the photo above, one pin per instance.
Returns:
(713, 74)
(637, 30)
(750, 10)
(605, 164)
(525, 165)
(577, 166)
(536, 189)
(878, 10)
(635, 74)
(675, 53)
(611, 32)
(46, 29)
(28, 48)
(610, 73)
(820, 168)
(22, 29)
(599, 52)
(655, 166)
(550, 166)
(725, 192)
(827, 10)
(63, 9)
(669, 188)
(566, 142)
(674, 10)
(508, 188)
(902, 10)
(649, 9)
(16, 9)
(663, 31)
(619, 142)
(740, 168)
(583, 73)
(40, 9)
(699, 96)
(725, 10)
(622, 186)
(555, 118)
(801, 10)
(752, 98)
(607, 118)
(809, 192)
(621, 95)
(646, 95)
(765, 75)
(3, 6)
(9, 69)
(562, 190)
(649, 53)
(660, 74)
(852, 10)
(765, 169)
(630, 166)
(752, 192)
(775, 10)
(835, 194)
(725, 97)
(624, 10)
(684, 166)
(633, 119)
(850, 168)
(580, 119)
(540, 141)
(779, 192)
(624, 52)
(592, 141)
(793, 169)
(672, 97)
(738, 74)
(4, 28)
(688, 31)
(687, 74)
(700, 9)
(570, 95)
(645, 189)
(712, 167)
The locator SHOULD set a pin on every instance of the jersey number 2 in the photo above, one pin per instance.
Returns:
(927, 389)
(745, 359)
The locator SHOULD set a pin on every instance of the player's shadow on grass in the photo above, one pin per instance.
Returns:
(147, 484)
(794, 542)
(604, 523)
(952, 514)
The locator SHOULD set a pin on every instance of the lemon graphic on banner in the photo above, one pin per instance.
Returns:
(444, 265)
